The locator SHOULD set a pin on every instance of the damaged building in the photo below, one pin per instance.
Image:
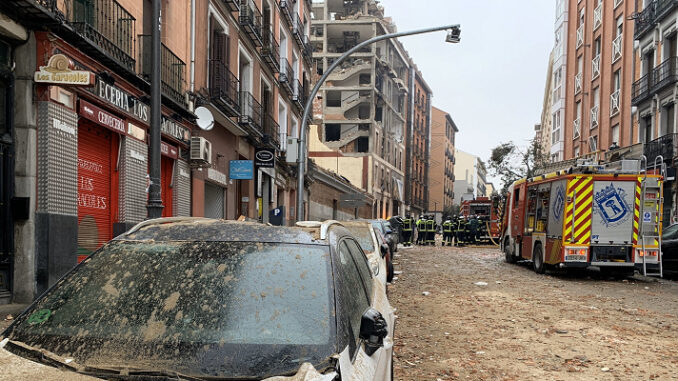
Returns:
(363, 103)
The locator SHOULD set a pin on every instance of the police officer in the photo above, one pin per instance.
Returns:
(431, 231)
(407, 230)
(461, 231)
(447, 232)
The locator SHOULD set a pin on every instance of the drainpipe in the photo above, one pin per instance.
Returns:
(192, 46)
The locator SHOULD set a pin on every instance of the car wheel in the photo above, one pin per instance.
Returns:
(538, 259)
(390, 272)
(510, 258)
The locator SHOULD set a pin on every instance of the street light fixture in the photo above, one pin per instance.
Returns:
(453, 36)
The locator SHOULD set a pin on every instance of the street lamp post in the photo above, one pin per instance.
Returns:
(154, 206)
(452, 37)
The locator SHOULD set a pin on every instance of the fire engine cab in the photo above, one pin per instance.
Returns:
(587, 215)
(488, 213)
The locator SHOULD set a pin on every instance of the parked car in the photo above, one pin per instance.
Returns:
(198, 299)
(388, 232)
(389, 256)
(375, 249)
(670, 250)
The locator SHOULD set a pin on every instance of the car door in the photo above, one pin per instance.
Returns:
(378, 365)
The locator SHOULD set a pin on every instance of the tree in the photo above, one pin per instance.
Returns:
(510, 162)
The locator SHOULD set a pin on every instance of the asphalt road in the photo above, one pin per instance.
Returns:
(518, 325)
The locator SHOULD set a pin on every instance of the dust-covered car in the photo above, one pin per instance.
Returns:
(389, 233)
(199, 299)
(376, 250)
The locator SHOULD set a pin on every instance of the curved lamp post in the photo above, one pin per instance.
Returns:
(453, 36)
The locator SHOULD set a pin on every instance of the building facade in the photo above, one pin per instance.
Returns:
(442, 161)
(418, 136)
(254, 77)
(558, 81)
(470, 174)
(654, 90)
(544, 129)
(364, 103)
(599, 76)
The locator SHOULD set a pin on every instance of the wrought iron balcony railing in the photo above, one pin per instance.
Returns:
(298, 30)
(223, 88)
(641, 88)
(250, 21)
(615, 104)
(270, 51)
(646, 18)
(286, 76)
(251, 112)
(106, 24)
(272, 132)
(307, 50)
(287, 10)
(595, 67)
(617, 48)
(232, 5)
(298, 95)
(580, 36)
(172, 69)
(666, 146)
(578, 83)
(654, 81)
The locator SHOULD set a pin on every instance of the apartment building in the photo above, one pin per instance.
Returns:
(599, 76)
(442, 160)
(418, 137)
(544, 129)
(364, 103)
(254, 76)
(470, 176)
(654, 89)
(558, 82)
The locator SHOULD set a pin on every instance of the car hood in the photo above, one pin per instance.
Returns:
(18, 368)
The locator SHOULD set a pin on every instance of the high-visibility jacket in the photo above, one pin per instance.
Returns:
(407, 225)
(430, 226)
(447, 226)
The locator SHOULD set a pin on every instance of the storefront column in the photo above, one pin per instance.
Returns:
(133, 167)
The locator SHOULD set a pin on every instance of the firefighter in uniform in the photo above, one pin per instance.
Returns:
(473, 225)
(447, 232)
(454, 227)
(461, 228)
(420, 227)
(431, 231)
(407, 231)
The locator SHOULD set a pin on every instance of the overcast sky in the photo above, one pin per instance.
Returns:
(492, 84)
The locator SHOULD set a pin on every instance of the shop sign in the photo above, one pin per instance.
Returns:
(136, 132)
(123, 100)
(137, 155)
(95, 114)
(175, 130)
(58, 71)
(264, 158)
(169, 150)
(217, 176)
(63, 127)
(241, 170)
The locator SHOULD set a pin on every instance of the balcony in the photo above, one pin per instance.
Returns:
(595, 67)
(595, 111)
(298, 96)
(251, 112)
(105, 24)
(307, 51)
(663, 75)
(617, 48)
(271, 132)
(580, 36)
(270, 51)
(287, 10)
(250, 21)
(615, 103)
(298, 30)
(598, 16)
(666, 146)
(576, 127)
(641, 88)
(286, 78)
(231, 5)
(223, 88)
(172, 70)
(578, 83)
(645, 19)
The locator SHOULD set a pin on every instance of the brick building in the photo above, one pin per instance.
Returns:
(418, 137)
(442, 161)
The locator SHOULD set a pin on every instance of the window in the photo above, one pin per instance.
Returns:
(596, 47)
(620, 25)
(593, 143)
(616, 80)
(332, 132)
(355, 298)
(614, 135)
(362, 264)
(576, 151)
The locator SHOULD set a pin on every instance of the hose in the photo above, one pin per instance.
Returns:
(489, 233)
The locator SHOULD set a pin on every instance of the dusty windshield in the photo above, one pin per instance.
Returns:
(363, 235)
(204, 308)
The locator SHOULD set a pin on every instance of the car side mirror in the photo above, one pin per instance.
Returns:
(389, 231)
(384, 249)
(373, 330)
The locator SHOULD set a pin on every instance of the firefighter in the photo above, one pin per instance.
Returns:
(461, 231)
(407, 230)
(447, 232)
(421, 227)
(430, 231)
(453, 228)
(473, 229)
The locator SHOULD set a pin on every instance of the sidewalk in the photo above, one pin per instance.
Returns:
(7, 310)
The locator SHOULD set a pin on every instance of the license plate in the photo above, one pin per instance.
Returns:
(575, 258)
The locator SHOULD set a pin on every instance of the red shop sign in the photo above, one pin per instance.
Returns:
(99, 116)
(169, 150)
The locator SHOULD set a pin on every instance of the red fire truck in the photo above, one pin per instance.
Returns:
(600, 216)
(488, 213)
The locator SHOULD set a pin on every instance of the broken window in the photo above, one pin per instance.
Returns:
(332, 132)
(365, 79)
(333, 99)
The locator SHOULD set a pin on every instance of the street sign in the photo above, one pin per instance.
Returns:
(241, 170)
(264, 158)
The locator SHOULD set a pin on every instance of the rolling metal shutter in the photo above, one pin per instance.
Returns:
(166, 182)
(94, 188)
(214, 201)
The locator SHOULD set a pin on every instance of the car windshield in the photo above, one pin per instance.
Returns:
(363, 235)
(225, 309)
(378, 225)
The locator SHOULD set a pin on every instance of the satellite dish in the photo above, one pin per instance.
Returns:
(205, 118)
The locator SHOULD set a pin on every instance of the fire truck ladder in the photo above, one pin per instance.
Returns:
(654, 206)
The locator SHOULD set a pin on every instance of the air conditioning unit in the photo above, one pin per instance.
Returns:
(201, 151)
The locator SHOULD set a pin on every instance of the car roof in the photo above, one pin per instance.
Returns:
(213, 230)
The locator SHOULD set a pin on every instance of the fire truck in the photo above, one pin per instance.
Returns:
(608, 217)
(488, 213)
